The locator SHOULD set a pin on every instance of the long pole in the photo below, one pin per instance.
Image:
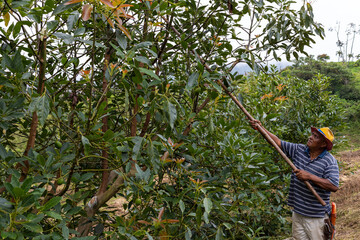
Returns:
(260, 128)
(263, 132)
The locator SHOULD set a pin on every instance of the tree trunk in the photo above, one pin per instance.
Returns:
(105, 127)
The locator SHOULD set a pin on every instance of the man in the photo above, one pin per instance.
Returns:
(316, 165)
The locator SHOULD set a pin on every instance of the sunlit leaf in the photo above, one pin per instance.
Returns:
(208, 204)
(124, 30)
(192, 81)
(6, 18)
(86, 12)
(171, 110)
(219, 234)
(107, 3)
(118, 20)
(182, 206)
(111, 23)
(150, 73)
(126, 5)
(124, 14)
(51, 203)
(73, 1)
(33, 227)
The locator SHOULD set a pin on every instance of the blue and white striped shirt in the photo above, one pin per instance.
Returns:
(324, 166)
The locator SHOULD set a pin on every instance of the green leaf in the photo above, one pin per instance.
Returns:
(86, 176)
(206, 218)
(85, 141)
(149, 73)
(43, 109)
(192, 81)
(41, 106)
(65, 231)
(149, 236)
(33, 227)
(18, 192)
(50, 161)
(17, 62)
(188, 234)
(51, 203)
(122, 40)
(72, 19)
(26, 185)
(228, 226)
(208, 204)
(9, 188)
(66, 37)
(61, 7)
(137, 147)
(5, 204)
(6, 235)
(142, 45)
(84, 238)
(41, 160)
(3, 152)
(199, 214)
(219, 234)
(182, 206)
(172, 113)
(108, 135)
(7, 62)
(216, 86)
(143, 60)
(54, 215)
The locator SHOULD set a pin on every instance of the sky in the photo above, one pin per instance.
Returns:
(329, 12)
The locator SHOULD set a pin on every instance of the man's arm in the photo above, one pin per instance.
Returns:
(321, 182)
(255, 122)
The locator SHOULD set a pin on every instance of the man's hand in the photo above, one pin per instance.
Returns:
(254, 123)
(302, 175)
(321, 182)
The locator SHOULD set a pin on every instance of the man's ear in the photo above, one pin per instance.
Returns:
(324, 144)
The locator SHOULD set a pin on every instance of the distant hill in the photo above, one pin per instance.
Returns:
(243, 68)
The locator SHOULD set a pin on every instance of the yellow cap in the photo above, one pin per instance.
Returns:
(327, 133)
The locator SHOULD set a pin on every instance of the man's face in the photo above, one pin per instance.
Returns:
(316, 140)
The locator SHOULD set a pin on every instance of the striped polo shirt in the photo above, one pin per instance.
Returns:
(324, 166)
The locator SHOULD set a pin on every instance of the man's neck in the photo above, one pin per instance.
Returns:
(314, 153)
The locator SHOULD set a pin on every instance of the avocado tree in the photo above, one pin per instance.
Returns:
(117, 99)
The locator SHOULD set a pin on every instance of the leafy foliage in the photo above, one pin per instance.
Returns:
(104, 99)
(342, 81)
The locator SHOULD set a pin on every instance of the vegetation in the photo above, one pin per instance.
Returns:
(107, 99)
(342, 80)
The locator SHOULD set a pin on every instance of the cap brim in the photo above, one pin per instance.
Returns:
(329, 144)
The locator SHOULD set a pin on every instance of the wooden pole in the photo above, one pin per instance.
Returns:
(263, 132)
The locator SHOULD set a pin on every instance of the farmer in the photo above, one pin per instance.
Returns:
(318, 166)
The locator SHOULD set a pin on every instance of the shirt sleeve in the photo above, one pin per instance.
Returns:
(289, 149)
(332, 173)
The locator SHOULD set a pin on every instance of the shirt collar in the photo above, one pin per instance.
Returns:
(320, 156)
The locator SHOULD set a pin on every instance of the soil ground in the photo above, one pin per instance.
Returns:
(347, 198)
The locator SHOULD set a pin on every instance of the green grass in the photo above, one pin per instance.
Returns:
(349, 138)
(355, 70)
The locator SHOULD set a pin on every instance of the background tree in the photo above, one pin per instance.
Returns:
(342, 81)
(345, 47)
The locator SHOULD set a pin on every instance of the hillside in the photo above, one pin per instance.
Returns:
(348, 196)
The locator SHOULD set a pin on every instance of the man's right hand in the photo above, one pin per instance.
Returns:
(254, 123)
